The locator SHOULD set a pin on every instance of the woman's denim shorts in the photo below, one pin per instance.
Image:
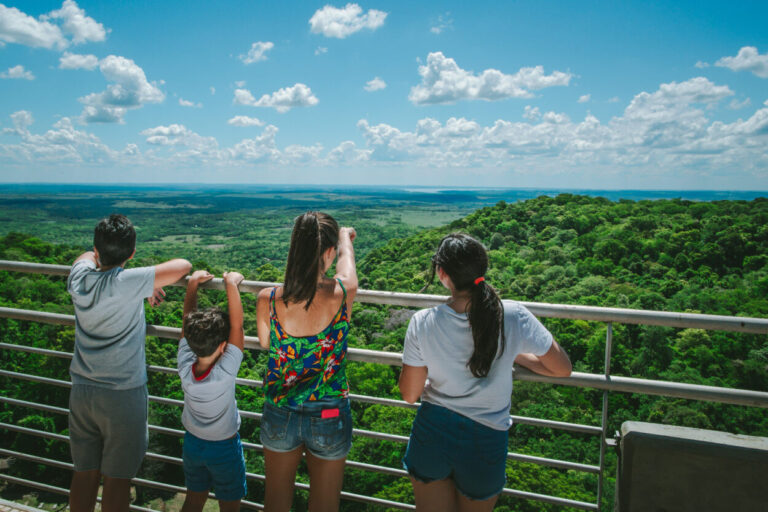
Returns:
(326, 435)
(445, 444)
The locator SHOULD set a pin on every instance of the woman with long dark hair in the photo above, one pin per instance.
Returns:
(458, 358)
(304, 325)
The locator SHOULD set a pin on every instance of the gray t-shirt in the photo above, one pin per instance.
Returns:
(441, 339)
(110, 329)
(210, 408)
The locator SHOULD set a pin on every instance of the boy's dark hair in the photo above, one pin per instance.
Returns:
(115, 239)
(465, 260)
(205, 329)
(313, 234)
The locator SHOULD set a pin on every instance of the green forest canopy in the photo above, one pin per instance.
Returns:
(672, 255)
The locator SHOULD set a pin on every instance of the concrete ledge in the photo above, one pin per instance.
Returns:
(665, 468)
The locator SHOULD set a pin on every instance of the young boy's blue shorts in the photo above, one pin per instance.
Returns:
(283, 429)
(445, 444)
(215, 464)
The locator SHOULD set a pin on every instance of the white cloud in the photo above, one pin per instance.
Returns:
(240, 83)
(21, 120)
(17, 72)
(444, 22)
(259, 149)
(340, 23)
(701, 65)
(17, 27)
(299, 95)
(531, 113)
(375, 84)
(585, 98)
(192, 104)
(244, 121)
(130, 90)
(178, 135)
(737, 105)
(747, 60)
(615, 99)
(83, 28)
(443, 81)
(76, 61)
(61, 145)
(213, 90)
(257, 52)
(320, 50)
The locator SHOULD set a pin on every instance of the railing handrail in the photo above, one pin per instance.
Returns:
(577, 379)
(566, 311)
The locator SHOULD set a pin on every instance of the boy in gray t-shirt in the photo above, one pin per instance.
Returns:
(210, 353)
(108, 400)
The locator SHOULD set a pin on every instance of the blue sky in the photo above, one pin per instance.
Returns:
(516, 94)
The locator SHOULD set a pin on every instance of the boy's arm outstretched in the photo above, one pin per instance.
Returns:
(235, 305)
(190, 299)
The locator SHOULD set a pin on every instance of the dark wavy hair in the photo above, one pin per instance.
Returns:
(115, 239)
(205, 329)
(313, 234)
(465, 259)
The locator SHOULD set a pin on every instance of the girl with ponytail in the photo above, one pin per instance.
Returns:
(304, 325)
(458, 358)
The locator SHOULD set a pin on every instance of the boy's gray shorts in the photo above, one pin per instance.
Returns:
(108, 429)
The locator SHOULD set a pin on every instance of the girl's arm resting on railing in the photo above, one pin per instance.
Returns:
(262, 317)
(345, 264)
(412, 380)
(235, 306)
(555, 363)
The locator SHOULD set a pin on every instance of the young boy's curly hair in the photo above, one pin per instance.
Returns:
(205, 329)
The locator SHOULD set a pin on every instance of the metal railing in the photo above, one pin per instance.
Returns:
(605, 382)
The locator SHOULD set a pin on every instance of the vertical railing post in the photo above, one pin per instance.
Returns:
(604, 419)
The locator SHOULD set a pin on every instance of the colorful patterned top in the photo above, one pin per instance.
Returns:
(307, 368)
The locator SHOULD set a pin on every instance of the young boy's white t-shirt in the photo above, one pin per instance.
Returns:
(441, 339)
(210, 407)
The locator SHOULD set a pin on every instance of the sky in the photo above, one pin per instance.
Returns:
(591, 94)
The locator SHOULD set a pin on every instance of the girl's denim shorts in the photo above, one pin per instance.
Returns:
(445, 444)
(324, 427)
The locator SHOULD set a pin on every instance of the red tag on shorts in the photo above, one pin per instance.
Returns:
(329, 413)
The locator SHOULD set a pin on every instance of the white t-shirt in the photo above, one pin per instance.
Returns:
(210, 407)
(441, 339)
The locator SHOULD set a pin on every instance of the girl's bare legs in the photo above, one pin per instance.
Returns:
(325, 479)
(437, 496)
(280, 472)
(468, 505)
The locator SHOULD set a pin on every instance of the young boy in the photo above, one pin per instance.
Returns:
(210, 353)
(108, 401)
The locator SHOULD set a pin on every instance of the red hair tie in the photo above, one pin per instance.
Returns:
(479, 280)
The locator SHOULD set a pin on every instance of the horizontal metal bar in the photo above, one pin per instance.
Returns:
(520, 420)
(350, 464)
(653, 387)
(59, 490)
(136, 481)
(590, 313)
(624, 384)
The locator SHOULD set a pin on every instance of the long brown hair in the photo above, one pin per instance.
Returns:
(465, 260)
(313, 234)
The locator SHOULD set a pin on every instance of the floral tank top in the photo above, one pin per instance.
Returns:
(308, 368)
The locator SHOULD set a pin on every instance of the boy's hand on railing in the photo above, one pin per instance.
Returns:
(157, 297)
(348, 231)
(233, 278)
(200, 276)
